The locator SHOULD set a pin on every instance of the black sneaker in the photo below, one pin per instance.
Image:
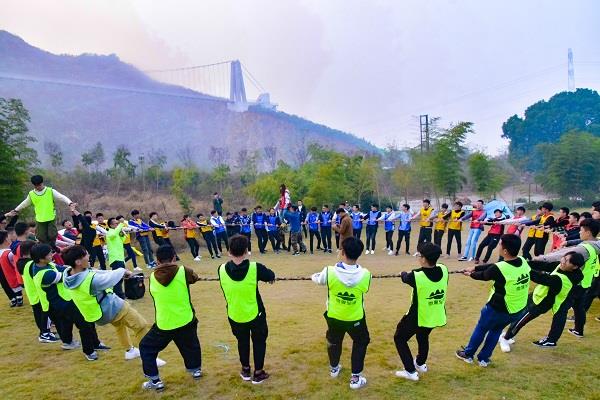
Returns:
(396, 253)
(218, 256)
(259, 377)
(575, 333)
(463, 259)
(197, 374)
(245, 374)
(13, 303)
(463, 356)
(544, 343)
(19, 301)
(48, 337)
(213, 257)
(102, 347)
(329, 251)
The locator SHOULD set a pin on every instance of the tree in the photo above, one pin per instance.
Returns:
(547, 121)
(270, 152)
(218, 155)
(448, 155)
(93, 157)
(157, 160)
(122, 166)
(53, 150)
(16, 157)
(487, 176)
(184, 179)
(570, 167)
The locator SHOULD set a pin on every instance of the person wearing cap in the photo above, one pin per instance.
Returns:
(427, 310)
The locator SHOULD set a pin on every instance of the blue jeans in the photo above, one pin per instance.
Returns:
(491, 323)
(146, 249)
(471, 246)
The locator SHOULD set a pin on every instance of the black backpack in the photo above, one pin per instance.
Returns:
(135, 287)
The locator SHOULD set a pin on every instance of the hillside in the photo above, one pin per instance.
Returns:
(79, 100)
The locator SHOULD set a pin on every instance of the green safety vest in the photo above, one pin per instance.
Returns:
(30, 290)
(240, 296)
(346, 303)
(431, 299)
(172, 303)
(37, 281)
(591, 266)
(541, 291)
(86, 302)
(43, 205)
(114, 244)
(516, 287)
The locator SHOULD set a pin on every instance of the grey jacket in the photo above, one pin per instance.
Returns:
(558, 254)
(111, 304)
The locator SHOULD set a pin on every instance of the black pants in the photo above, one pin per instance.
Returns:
(249, 236)
(371, 234)
(305, 231)
(211, 243)
(389, 242)
(356, 233)
(437, 237)
(532, 313)
(258, 330)
(41, 318)
(263, 239)
(274, 239)
(359, 333)
(65, 317)
(159, 240)
(326, 237)
(490, 241)
(118, 288)
(194, 246)
(454, 234)
(130, 254)
(527, 247)
(6, 287)
(406, 236)
(540, 245)
(314, 234)
(222, 237)
(97, 253)
(575, 299)
(337, 240)
(186, 340)
(406, 329)
(424, 234)
(592, 293)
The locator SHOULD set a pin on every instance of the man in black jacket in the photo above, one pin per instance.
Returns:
(245, 309)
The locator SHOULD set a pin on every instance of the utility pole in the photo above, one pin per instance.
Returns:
(424, 128)
(142, 160)
(571, 72)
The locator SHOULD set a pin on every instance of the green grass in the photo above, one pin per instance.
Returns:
(296, 353)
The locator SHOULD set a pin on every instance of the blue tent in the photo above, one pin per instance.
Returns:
(498, 205)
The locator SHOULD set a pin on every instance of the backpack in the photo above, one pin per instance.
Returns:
(135, 288)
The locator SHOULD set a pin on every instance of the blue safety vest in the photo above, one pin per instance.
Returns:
(245, 221)
(259, 221)
(220, 226)
(313, 217)
(272, 220)
(325, 218)
(372, 218)
(388, 225)
(357, 220)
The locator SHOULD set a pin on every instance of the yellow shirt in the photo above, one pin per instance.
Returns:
(425, 214)
(99, 240)
(455, 225)
(539, 232)
(531, 231)
(441, 225)
(207, 228)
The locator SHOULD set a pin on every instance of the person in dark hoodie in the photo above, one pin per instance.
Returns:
(175, 318)
(245, 309)
(92, 294)
(347, 283)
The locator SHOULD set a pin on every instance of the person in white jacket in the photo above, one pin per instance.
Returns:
(347, 283)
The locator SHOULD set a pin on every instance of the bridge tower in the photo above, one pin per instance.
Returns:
(571, 72)
(237, 90)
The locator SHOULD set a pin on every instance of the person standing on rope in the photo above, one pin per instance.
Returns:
(43, 199)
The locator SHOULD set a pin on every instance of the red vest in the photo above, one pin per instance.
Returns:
(474, 217)
(13, 277)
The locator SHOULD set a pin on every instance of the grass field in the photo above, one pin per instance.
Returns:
(296, 352)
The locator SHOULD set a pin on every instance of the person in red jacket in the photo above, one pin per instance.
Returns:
(493, 237)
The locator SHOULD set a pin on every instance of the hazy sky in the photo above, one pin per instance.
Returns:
(367, 67)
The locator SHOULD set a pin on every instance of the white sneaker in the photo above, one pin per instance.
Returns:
(390, 253)
(372, 251)
(511, 341)
(411, 376)
(504, 344)
(71, 346)
(197, 258)
(137, 269)
(470, 259)
(416, 254)
(357, 381)
(132, 353)
(335, 371)
(160, 362)
(484, 364)
(366, 252)
(421, 368)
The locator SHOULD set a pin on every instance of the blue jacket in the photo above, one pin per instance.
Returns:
(294, 220)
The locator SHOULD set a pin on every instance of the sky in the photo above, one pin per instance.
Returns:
(366, 67)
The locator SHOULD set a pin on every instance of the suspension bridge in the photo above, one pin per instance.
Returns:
(224, 80)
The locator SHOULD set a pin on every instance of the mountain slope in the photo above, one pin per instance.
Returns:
(79, 100)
